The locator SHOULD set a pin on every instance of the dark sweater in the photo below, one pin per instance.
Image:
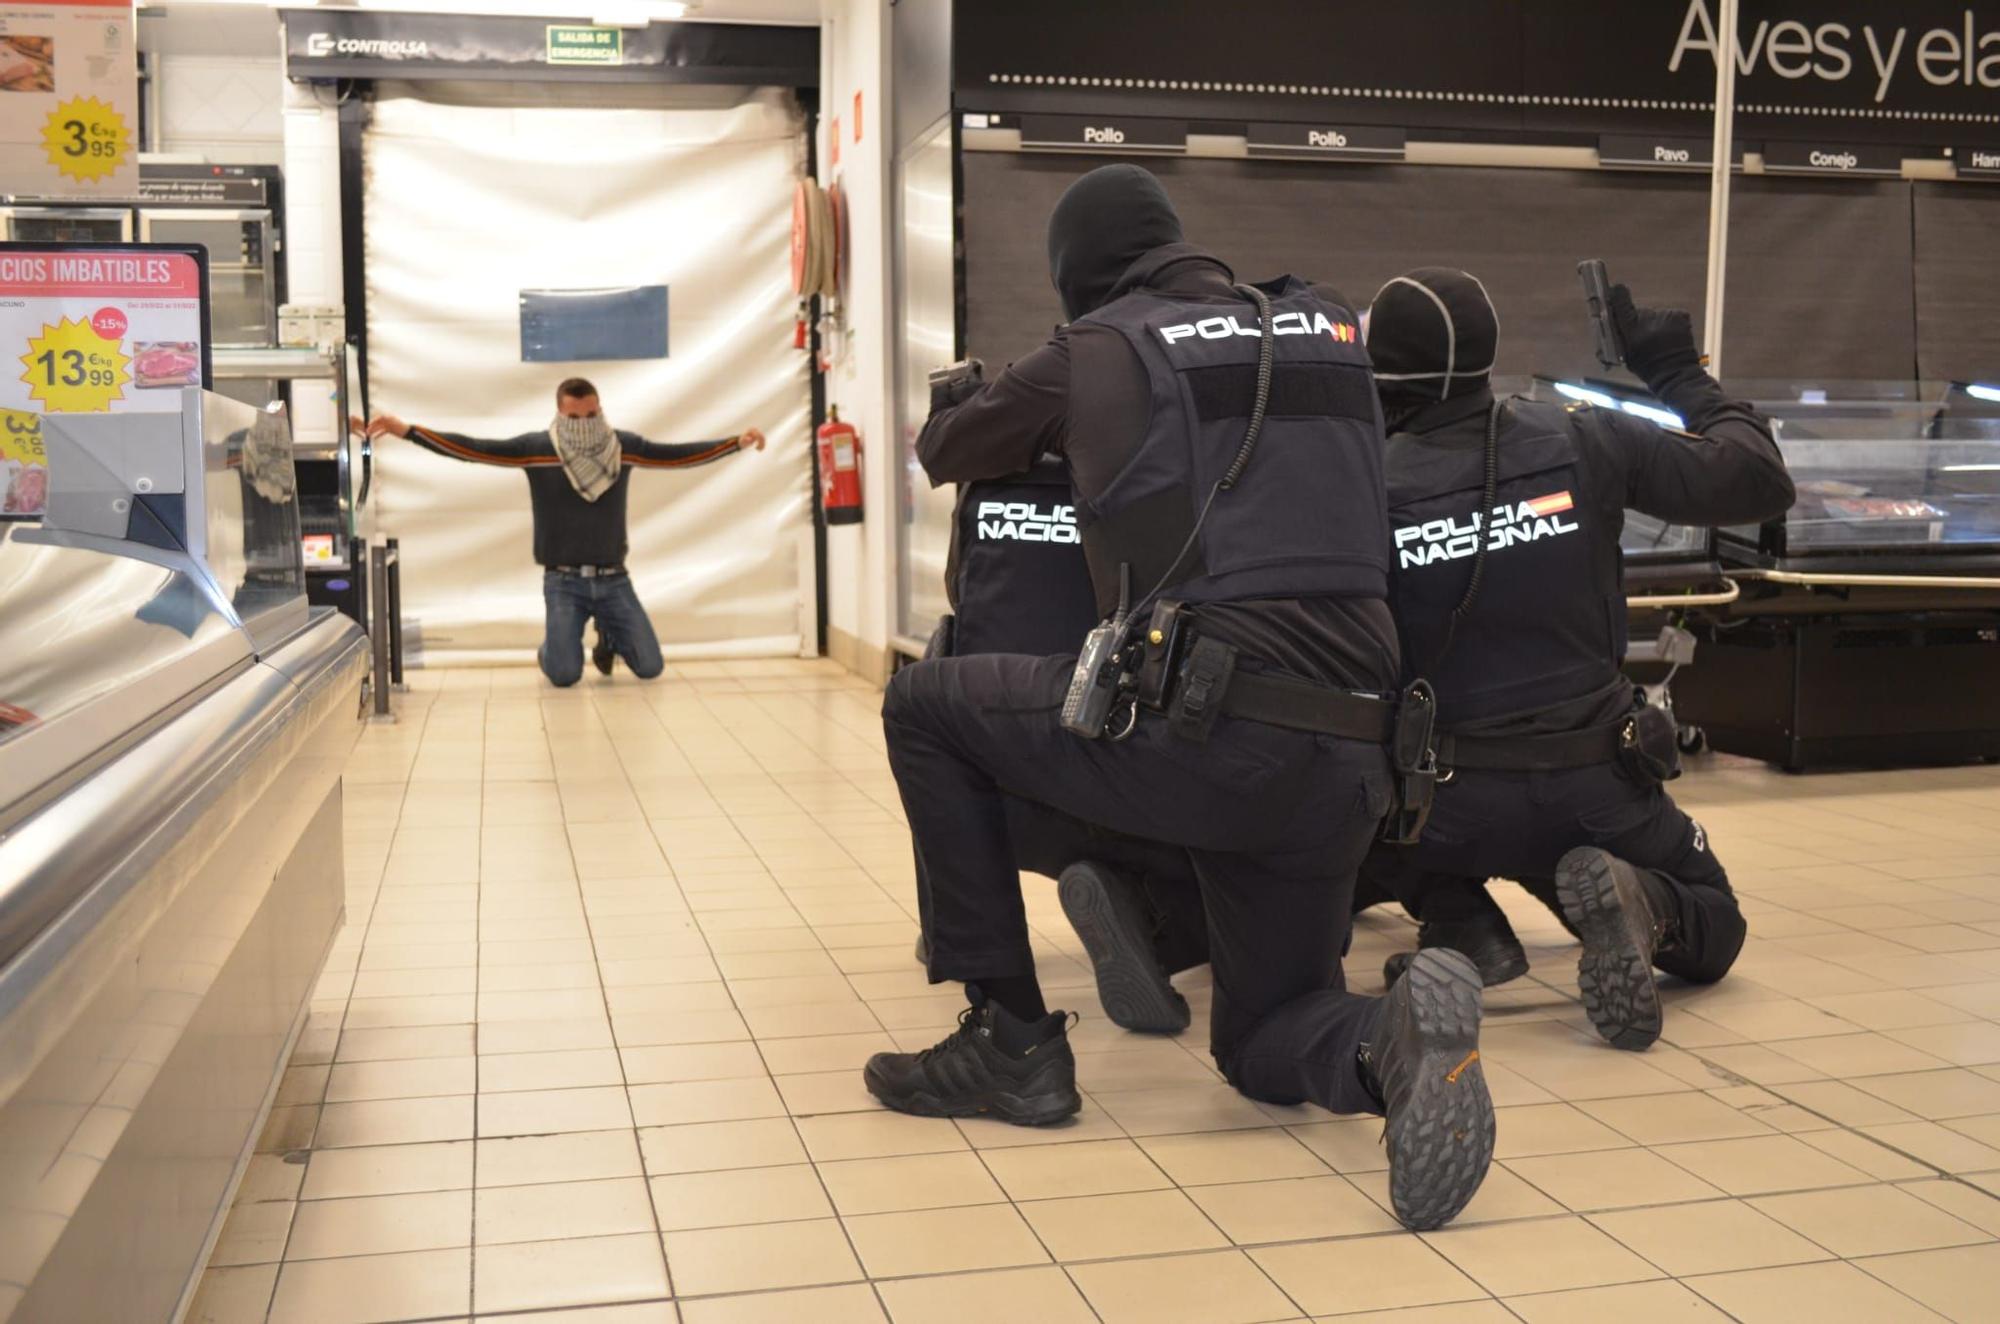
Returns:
(568, 529)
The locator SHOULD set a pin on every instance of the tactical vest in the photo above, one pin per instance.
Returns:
(1016, 576)
(1548, 623)
(1306, 518)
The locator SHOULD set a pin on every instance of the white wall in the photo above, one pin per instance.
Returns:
(219, 77)
(860, 564)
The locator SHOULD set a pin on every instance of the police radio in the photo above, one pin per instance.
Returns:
(1098, 682)
(1597, 296)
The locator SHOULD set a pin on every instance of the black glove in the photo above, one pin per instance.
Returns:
(1659, 342)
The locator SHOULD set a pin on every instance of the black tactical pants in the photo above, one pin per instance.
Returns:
(1518, 824)
(1275, 822)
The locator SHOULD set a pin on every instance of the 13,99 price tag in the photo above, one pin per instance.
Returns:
(87, 139)
(73, 370)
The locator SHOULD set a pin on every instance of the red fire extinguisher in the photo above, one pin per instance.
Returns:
(839, 469)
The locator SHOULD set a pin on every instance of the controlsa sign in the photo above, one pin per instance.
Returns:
(89, 330)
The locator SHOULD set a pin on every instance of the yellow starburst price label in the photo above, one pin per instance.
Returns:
(86, 139)
(73, 370)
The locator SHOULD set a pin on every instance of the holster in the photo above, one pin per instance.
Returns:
(1648, 746)
(1414, 760)
(1197, 696)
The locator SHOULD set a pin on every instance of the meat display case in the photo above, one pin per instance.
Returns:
(174, 719)
(1863, 626)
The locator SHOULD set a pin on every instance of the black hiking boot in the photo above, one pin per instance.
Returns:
(1488, 941)
(1423, 1064)
(1019, 1071)
(1110, 916)
(1624, 917)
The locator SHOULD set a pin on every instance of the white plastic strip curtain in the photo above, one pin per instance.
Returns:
(471, 199)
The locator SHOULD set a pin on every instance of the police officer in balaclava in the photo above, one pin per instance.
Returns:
(1507, 592)
(1223, 443)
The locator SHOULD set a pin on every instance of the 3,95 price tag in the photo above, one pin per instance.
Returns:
(73, 370)
(86, 139)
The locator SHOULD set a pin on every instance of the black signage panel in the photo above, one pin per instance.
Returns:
(1854, 70)
(203, 185)
(1345, 142)
(1979, 162)
(355, 43)
(1103, 133)
(1831, 159)
(1656, 152)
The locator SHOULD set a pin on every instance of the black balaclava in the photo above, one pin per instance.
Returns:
(1432, 333)
(1102, 224)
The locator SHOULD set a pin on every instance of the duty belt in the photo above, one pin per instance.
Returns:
(1303, 706)
(589, 571)
(1545, 753)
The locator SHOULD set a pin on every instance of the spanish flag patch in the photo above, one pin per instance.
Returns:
(1553, 504)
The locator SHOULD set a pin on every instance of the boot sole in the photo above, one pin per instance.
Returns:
(1134, 990)
(1441, 1139)
(1032, 1110)
(1615, 973)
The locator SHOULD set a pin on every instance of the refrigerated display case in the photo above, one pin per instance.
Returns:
(1868, 629)
(30, 223)
(242, 272)
(173, 724)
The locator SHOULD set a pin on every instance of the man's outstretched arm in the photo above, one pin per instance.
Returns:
(643, 454)
(530, 448)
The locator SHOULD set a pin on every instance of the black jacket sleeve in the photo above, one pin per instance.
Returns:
(1006, 426)
(530, 448)
(643, 454)
(1726, 469)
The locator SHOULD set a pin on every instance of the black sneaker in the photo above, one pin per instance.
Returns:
(1492, 947)
(1622, 925)
(1423, 1064)
(1110, 916)
(1019, 1071)
(601, 655)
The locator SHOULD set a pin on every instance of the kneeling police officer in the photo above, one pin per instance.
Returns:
(1508, 594)
(1224, 444)
(1016, 582)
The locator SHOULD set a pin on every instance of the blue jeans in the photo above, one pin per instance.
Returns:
(571, 600)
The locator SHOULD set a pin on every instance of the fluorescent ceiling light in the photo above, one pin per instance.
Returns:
(1971, 468)
(1978, 392)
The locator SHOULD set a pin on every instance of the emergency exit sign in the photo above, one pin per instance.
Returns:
(586, 45)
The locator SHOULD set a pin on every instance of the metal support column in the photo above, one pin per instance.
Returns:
(1718, 190)
(379, 627)
(395, 559)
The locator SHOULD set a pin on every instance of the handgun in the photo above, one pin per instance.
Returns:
(1597, 295)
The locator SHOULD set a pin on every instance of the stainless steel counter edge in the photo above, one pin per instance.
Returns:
(77, 864)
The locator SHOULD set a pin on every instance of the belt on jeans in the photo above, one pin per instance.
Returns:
(589, 571)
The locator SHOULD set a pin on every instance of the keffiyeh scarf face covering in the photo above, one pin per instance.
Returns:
(590, 453)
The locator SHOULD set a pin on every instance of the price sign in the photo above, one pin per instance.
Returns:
(69, 99)
(86, 139)
(74, 370)
(87, 329)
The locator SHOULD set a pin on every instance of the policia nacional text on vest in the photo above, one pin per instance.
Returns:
(1294, 517)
